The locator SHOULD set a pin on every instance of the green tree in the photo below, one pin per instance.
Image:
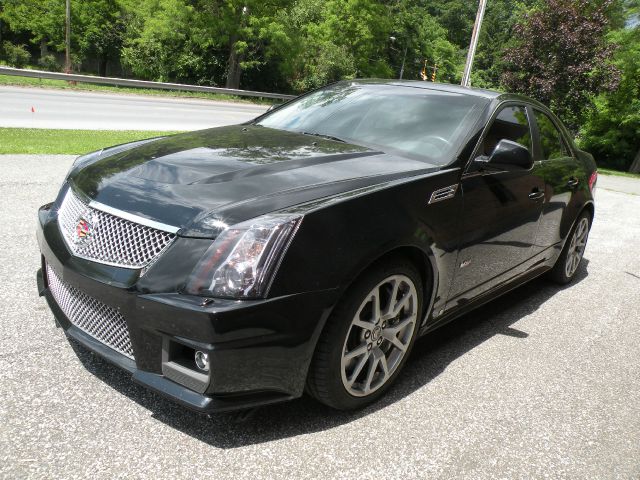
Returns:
(201, 40)
(612, 132)
(96, 27)
(241, 29)
(456, 17)
(100, 29)
(43, 20)
(307, 53)
(497, 29)
(325, 41)
(559, 56)
(420, 38)
(161, 41)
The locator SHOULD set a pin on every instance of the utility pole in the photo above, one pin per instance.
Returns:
(67, 38)
(404, 55)
(466, 77)
(404, 58)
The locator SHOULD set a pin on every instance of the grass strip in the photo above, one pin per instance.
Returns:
(69, 142)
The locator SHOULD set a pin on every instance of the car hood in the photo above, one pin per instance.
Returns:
(232, 174)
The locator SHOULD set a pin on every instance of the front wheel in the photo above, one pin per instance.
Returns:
(368, 337)
(567, 264)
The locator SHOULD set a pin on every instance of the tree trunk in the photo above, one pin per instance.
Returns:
(44, 48)
(102, 66)
(635, 166)
(233, 68)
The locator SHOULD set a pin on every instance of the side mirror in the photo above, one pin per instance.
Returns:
(274, 106)
(510, 155)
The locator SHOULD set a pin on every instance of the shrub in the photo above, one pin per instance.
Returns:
(49, 62)
(15, 55)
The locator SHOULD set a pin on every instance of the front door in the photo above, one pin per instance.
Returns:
(500, 215)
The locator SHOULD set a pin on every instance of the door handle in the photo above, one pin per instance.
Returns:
(573, 182)
(536, 194)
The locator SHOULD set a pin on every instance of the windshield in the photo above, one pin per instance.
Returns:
(419, 123)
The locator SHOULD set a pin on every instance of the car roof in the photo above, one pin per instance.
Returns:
(448, 87)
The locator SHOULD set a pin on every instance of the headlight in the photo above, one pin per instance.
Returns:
(243, 259)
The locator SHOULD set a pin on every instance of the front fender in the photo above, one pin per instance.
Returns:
(337, 242)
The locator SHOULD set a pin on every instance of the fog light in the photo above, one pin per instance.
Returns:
(202, 361)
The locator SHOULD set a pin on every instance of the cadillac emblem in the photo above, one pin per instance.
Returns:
(84, 230)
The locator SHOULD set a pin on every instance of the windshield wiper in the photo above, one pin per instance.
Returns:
(322, 135)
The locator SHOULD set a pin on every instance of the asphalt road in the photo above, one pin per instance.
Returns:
(619, 184)
(544, 382)
(103, 111)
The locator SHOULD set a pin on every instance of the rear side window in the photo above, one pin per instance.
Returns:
(550, 138)
(510, 124)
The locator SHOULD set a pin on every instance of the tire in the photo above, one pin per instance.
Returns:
(571, 256)
(356, 359)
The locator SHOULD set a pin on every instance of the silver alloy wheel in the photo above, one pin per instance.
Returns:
(576, 247)
(379, 335)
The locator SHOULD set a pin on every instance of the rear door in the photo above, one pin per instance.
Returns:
(501, 212)
(562, 175)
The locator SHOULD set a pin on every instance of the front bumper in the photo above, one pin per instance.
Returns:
(259, 350)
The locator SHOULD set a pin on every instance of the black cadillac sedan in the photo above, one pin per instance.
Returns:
(308, 249)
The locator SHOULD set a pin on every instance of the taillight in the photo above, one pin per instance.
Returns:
(592, 180)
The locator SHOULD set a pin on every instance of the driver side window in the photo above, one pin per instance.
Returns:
(510, 124)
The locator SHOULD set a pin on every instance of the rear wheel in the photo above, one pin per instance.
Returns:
(368, 337)
(567, 264)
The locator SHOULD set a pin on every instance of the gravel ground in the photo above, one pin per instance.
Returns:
(543, 382)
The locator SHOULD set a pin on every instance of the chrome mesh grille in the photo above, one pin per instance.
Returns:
(105, 238)
(90, 315)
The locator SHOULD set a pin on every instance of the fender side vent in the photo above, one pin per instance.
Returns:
(443, 193)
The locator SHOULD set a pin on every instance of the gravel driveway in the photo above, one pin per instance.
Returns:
(542, 382)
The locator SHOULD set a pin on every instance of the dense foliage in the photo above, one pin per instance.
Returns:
(579, 56)
(612, 129)
(560, 56)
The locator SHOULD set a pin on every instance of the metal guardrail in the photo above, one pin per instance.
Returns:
(125, 82)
